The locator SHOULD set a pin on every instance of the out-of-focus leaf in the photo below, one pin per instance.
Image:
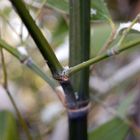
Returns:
(60, 32)
(115, 129)
(6, 11)
(8, 128)
(61, 5)
(99, 35)
(124, 106)
(99, 10)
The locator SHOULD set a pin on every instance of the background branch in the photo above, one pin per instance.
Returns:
(5, 85)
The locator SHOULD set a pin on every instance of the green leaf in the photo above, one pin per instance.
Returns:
(60, 32)
(99, 36)
(61, 5)
(115, 129)
(8, 128)
(124, 105)
(99, 10)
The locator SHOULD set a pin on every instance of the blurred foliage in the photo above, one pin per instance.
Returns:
(115, 129)
(99, 35)
(100, 10)
(61, 5)
(8, 126)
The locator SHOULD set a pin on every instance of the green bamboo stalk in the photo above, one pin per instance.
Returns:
(79, 52)
(99, 58)
(79, 44)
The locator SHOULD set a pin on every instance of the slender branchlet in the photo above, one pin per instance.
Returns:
(109, 53)
(5, 85)
(126, 31)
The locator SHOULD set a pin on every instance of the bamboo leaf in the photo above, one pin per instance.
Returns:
(124, 106)
(60, 32)
(115, 129)
(8, 128)
(100, 33)
(61, 5)
(99, 10)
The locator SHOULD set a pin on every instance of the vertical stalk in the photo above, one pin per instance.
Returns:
(79, 52)
(79, 44)
(78, 128)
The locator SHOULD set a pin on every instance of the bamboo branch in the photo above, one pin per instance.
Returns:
(47, 52)
(125, 32)
(38, 37)
(36, 69)
(28, 62)
(111, 52)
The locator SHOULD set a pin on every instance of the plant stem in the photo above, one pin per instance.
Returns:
(125, 32)
(28, 62)
(38, 37)
(78, 128)
(46, 50)
(35, 68)
(79, 44)
(21, 120)
(79, 52)
(99, 58)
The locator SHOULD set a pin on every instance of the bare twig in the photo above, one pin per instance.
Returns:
(5, 85)
(122, 74)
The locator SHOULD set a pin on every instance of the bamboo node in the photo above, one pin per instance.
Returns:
(63, 76)
(78, 112)
(112, 51)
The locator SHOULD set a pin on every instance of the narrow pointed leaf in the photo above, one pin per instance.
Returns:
(115, 129)
(99, 10)
(61, 5)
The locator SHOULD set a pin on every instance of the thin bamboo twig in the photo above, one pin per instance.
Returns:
(99, 58)
(28, 62)
(125, 32)
(21, 120)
